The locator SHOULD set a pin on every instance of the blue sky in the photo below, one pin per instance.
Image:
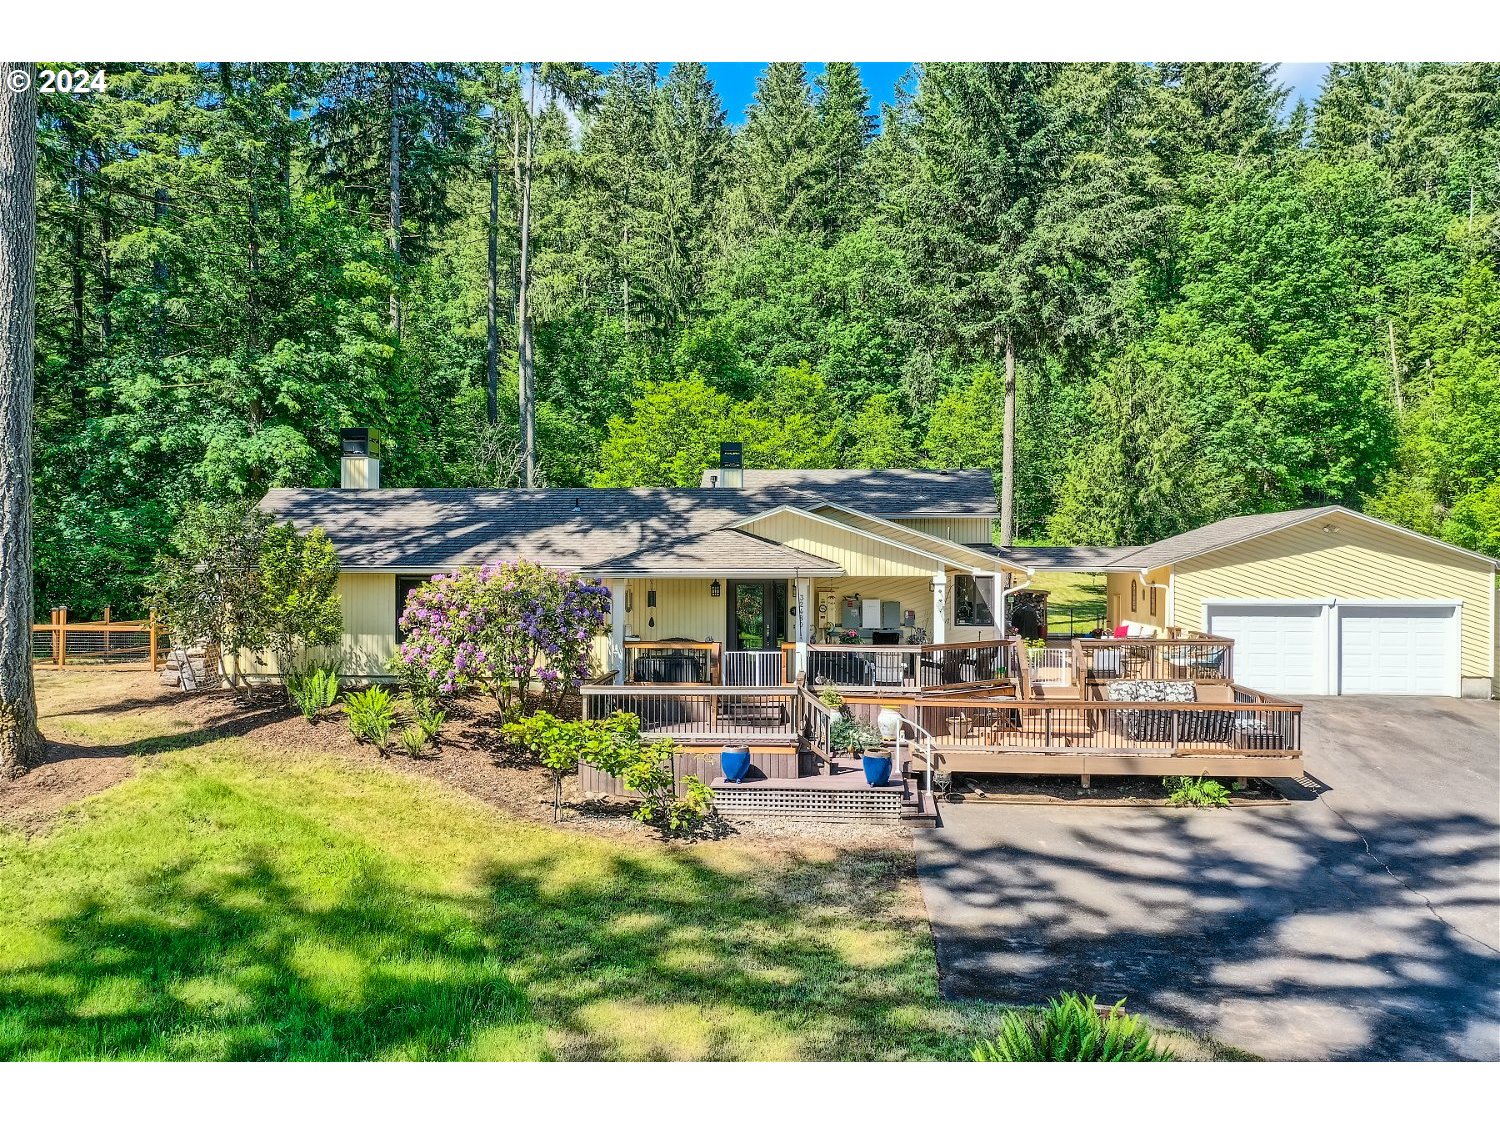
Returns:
(735, 81)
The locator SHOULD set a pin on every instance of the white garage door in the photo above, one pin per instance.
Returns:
(1397, 650)
(1278, 649)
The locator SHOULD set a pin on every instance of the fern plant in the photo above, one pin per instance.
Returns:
(371, 715)
(413, 740)
(313, 689)
(1072, 1029)
(1199, 792)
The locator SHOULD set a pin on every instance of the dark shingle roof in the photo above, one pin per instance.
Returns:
(421, 529)
(1061, 558)
(1190, 544)
(947, 492)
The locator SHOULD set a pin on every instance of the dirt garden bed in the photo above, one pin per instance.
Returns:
(1041, 789)
(101, 723)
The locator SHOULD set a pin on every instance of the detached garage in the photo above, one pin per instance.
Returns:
(1326, 601)
(1320, 601)
(1342, 648)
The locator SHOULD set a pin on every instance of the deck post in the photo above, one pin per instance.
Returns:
(940, 607)
(617, 629)
(804, 626)
(151, 636)
(62, 636)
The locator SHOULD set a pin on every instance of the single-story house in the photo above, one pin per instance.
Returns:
(753, 569)
(1319, 601)
(749, 577)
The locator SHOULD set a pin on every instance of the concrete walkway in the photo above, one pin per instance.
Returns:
(1359, 921)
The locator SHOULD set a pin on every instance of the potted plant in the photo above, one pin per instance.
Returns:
(853, 737)
(888, 722)
(848, 636)
(877, 763)
(735, 762)
(958, 725)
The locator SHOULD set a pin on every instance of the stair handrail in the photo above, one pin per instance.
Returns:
(926, 737)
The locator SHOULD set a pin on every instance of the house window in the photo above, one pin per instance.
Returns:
(1153, 601)
(404, 587)
(973, 600)
(1132, 595)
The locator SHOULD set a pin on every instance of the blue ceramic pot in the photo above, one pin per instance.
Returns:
(735, 763)
(877, 768)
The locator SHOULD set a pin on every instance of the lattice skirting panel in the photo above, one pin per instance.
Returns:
(809, 804)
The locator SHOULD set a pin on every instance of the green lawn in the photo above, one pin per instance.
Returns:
(230, 902)
(1084, 594)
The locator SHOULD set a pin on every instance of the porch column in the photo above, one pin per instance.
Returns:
(940, 607)
(804, 624)
(617, 629)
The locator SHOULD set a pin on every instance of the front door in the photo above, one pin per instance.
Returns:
(757, 624)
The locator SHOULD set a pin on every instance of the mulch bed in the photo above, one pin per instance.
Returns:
(468, 756)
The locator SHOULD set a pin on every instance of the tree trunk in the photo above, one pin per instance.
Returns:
(492, 299)
(1008, 449)
(21, 744)
(523, 311)
(395, 201)
(1395, 369)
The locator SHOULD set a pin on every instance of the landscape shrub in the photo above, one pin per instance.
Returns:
(239, 580)
(501, 627)
(1199, 792)
(371, 715)
(313, 688)
(614, 746)
(1071, 1028)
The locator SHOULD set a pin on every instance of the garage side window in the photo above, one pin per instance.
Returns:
(1132, 595)
(404, 587)
(973, 600)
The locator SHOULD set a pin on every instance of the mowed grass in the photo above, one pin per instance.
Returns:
(1084, 594)
(232, 903)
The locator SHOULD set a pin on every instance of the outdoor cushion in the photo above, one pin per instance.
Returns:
(1149, 726)
(1122, 631)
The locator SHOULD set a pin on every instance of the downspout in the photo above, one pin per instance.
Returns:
(1158, 586)
(1009, 590)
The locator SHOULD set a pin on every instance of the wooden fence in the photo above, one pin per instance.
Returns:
(62, 641)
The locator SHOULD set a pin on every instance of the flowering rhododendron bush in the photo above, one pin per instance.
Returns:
(503, 627)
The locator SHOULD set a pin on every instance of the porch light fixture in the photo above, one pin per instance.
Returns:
(650, 599)
(714, 589)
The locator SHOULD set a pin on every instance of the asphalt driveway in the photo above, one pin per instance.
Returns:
(1358, 921)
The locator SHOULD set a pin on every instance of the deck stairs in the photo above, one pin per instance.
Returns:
(839, 795)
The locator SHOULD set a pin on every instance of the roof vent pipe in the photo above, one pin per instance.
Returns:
(731, 464)
(359, 467)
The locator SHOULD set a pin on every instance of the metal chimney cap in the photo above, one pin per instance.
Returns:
(731, 455)
(360, 441)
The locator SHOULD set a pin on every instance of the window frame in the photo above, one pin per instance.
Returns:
(980, 600)
(405, 584)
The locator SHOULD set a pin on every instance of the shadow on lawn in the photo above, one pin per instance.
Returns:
(656, 956)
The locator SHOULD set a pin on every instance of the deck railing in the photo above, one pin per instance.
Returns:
(914, 668)
(691, 713)
(1050, 664)
(671, 662)
(1255, 724)
(753, 669)
(1157, 658)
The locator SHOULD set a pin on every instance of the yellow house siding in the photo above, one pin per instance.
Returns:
(956, 528)
(684, 608)
(1356, 562)
(855, 552)
(369, 622)
(1117, 595)
(369, 605)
